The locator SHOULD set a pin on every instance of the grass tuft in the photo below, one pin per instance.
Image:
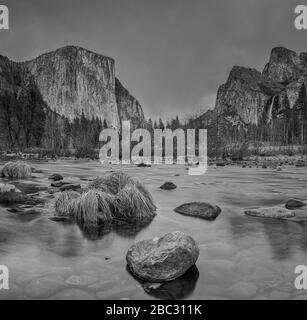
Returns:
(63, 202)
(85, 208)
(111, 183)
(108, 199)
(134, 205)
(16, 170)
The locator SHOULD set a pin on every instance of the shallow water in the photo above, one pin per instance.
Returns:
(240, 256)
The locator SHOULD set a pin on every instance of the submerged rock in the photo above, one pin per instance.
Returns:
(72, 186)
(293, 204)
(199, 209)
(72, 294)
(300, 164)
(58, 184)
(15, 210)
(272, 212)
(10, 194)
(163, 259)
(143, 165)
(168, 186)
(59, 219)
(56, 177)
(220, 164)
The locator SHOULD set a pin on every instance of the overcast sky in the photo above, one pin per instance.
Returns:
(170, 54)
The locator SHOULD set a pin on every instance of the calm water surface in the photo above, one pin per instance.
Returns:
(240, 256)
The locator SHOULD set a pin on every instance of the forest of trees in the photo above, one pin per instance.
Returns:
(26, 123)
(22, 119)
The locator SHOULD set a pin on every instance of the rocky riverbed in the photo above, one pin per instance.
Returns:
(240, 256)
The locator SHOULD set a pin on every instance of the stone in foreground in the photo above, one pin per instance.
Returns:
(273, 212)
(294, 204)
(163, 259)
(199, 209)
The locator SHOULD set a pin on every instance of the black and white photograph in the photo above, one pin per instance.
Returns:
(153, 150)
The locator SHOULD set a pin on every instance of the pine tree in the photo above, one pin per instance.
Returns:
(161, 124)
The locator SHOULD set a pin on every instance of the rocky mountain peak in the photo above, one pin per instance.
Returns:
(245, 76)
(252, 96)
(284, 65)
(74, 81)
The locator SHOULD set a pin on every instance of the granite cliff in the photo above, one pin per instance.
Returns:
(253, 97)
(72, 81)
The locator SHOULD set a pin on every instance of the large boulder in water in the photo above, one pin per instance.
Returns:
(163, 259)
(10, 194)
(199, 209)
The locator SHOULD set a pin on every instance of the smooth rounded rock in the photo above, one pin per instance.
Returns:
(294, 204)
(199, 209)
(58, 184)
(56, 177)
(272, 212)
(168, 186)
(73, 187)
(163, 259)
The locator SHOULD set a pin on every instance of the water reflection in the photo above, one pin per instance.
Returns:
(124, 230)
(284, 237)
(179, 288)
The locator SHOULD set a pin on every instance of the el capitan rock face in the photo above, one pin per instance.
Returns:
(72, 81)
(250, 97)
(128, 107)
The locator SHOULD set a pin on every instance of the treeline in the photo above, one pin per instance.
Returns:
(82, 135)
(26, 122)
(28, 125)
(22, 118)
(285, 126)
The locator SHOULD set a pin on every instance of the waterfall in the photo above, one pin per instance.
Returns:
(270, 111)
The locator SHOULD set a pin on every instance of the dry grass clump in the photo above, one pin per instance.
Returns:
(85, 208)
(111, 183)
(63, 202)
(107, 199)
(133, 204)
(16, 170)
